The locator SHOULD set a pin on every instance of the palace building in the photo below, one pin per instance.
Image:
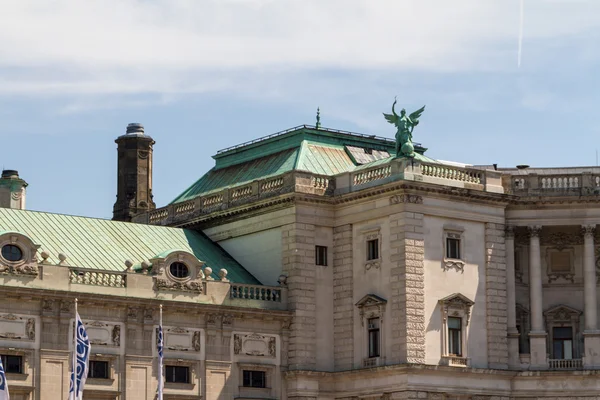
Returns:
(311, 264)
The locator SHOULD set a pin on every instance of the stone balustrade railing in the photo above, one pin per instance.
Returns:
(576, 363)
(255, 292)
(235, 196)
(453, 173)
(539, 183)
(97, 278)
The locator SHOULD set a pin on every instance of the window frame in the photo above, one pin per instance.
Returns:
(372, 247)
(107, 363)
(455, 338)
(453, 233)
(5, 364)
(455, 306)
(175, 366)
(563, 341)
(321, 255)
(373, 333)
(252, 372)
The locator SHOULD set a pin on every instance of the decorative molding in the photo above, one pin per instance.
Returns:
(561, 240)
(456, 301)
(555, 273)
(132, 312)
(588, 231)
(406, 198)
(116, 335)
(65, 306)
(190, 286)
(509, 232)
(17, 327)
(227, 320)
(457, 265)
(372, 264)
(196, 341)
(371, 306)
(27, 266)
(47, 305)
(255, 345)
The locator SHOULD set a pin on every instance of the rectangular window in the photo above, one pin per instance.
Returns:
(455, 336)
(12, 364)
(177, 374)
(321, 255)
(256, 379)
(562, 345)
(453, 246)
(98, 369)
(372, 249)
(373, 337)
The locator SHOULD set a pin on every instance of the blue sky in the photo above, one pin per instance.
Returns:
(202, 75)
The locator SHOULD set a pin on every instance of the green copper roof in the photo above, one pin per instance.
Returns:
(104, 244)
(318, 151)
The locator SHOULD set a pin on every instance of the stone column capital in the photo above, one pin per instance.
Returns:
(534, 230)
(588, 231)
(509, 232)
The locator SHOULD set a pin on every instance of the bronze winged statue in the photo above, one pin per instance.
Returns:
(405, 125)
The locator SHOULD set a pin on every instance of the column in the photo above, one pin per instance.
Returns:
(537, 334)
(513, 334)
(591, 335)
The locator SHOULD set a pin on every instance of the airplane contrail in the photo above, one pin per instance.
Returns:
(520, 51)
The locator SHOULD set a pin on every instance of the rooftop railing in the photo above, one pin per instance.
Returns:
(554, 184)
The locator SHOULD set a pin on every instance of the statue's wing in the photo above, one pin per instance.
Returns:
(391, 118)
(417, 114)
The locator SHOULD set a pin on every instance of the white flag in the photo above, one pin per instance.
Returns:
(3, 384)
(81, 359)
(160, 344)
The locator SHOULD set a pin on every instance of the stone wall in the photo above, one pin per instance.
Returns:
(408, 290)
(496, 296)
(299, 264)
(342, 298)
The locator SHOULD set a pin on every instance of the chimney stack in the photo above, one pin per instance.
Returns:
(134, 169)
(12, 190)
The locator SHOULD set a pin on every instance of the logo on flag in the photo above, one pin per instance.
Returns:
(81, 357)
(160, 344)
(3, 385)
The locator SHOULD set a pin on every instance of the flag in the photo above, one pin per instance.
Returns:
(160, 344)
(3, 385)
(81, 359)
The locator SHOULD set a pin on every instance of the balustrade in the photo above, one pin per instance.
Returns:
(255, 292)
(575, 363)
(451, 173)
(372, 175)
(97, 278)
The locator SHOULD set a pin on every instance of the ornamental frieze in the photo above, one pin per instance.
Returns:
(190, 286)
(406, 198)
(255, 345)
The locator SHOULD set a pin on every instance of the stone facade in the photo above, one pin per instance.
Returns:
(405, 279)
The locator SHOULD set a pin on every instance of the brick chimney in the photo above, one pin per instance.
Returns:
(134, 169)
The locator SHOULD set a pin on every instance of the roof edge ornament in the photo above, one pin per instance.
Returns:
(405, 125)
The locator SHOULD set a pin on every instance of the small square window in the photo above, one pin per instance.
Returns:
(372, 249)
(98, 369)
(321, 255)
(12, 364)
(177, 374)
(256, 379)
(453, 246)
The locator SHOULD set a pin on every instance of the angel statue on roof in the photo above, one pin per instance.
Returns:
(405, 125)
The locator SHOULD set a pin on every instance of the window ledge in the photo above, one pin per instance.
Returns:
(451, 263)
(456, 361)
(100, 381)
(16, 377)
(371, 362)
(179, 386)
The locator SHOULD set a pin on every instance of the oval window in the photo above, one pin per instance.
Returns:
(179, 270)
(10, 252)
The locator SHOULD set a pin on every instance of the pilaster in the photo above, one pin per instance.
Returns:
(407, 277)
(343, 307)
(495, 296)
(537, 335)
(591, 334)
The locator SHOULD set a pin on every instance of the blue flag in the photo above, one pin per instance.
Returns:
(81, 359)
(160, 345)
(3, 385)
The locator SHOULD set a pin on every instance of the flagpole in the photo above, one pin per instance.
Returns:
(160, 356)
(74, 354)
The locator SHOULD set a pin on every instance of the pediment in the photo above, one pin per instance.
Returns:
(371, 300)
(562, 312)
(456, 299)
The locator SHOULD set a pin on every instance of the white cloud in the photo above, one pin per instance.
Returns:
(178, 46)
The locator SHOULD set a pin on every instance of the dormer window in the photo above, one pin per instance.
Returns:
(179, 270)
(12, 253)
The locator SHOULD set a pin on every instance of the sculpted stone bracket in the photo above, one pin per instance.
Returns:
(255, 345)
(457, 265)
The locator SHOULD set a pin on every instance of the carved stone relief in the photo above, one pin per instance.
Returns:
(190, 286)
(254, 345)
(103, 334)
(181, 339)
(17, 327)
